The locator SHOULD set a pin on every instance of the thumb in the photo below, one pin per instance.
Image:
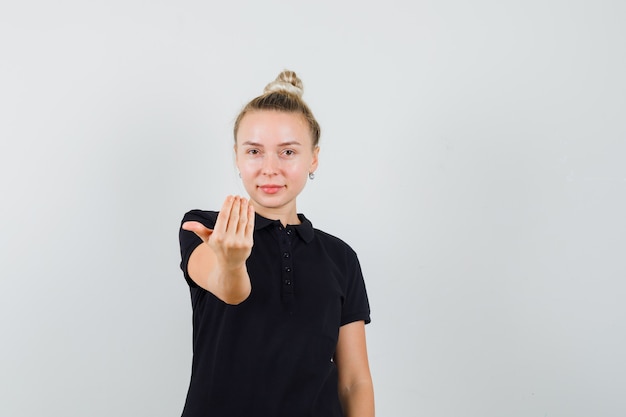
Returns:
(199, 229)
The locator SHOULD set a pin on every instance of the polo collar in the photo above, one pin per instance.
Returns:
(304, 229)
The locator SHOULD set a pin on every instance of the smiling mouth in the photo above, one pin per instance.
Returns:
(271, 189)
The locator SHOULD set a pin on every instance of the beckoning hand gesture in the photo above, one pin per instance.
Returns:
(221, 269)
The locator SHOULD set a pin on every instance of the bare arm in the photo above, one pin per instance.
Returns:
(219, 264)
(356, 390)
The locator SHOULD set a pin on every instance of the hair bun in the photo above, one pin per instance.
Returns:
(287, 82)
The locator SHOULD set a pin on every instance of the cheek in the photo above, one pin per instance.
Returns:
(299, 174)
(294, 167)
(249, 165)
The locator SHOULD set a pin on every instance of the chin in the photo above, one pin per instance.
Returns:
(271, 201)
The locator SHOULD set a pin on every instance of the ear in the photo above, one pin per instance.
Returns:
(236, 156)
(315, 161)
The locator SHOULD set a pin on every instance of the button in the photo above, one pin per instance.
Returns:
(286, 255)
(289, 231)
(287, 282)
(287, 269)
(279, 227)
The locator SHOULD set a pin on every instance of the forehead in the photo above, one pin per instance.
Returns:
(269, 127)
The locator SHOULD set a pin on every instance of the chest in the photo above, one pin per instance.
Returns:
(301, 279)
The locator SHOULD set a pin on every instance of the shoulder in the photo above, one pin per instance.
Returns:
(206, 217)
(333, 244)
(325, 238)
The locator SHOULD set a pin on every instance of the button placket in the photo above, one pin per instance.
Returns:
(285, 235)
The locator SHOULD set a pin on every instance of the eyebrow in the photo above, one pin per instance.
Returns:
(259, 145)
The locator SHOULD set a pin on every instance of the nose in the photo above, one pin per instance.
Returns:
(271, 164)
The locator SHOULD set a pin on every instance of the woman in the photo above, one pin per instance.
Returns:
(279, 308)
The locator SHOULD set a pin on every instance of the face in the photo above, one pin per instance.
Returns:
(275, 154)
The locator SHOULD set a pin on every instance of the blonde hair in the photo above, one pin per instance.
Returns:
(283, 94)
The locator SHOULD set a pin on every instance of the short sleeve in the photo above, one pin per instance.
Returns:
(356, 304)
(189, 240)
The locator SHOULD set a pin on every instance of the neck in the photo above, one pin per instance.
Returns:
(283, 214)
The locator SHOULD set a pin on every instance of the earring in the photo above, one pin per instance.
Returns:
(311, 175)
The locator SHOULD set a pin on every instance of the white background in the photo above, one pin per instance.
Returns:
(473, 154)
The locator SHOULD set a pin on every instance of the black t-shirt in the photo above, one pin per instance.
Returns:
(272, 355)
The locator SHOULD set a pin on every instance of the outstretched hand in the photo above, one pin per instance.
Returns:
(199, 229)
(231, 238)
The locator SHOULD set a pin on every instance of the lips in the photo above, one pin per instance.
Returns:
(270, 188)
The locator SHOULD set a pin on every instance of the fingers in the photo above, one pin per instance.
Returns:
(199, 229)
(244, 217)
(249, 229)
(232, 237)
(221, 224)
(235, 217)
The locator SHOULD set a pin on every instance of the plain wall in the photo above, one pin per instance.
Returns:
(473, 154)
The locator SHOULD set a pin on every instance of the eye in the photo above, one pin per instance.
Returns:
(289, 152)
(252, 151)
